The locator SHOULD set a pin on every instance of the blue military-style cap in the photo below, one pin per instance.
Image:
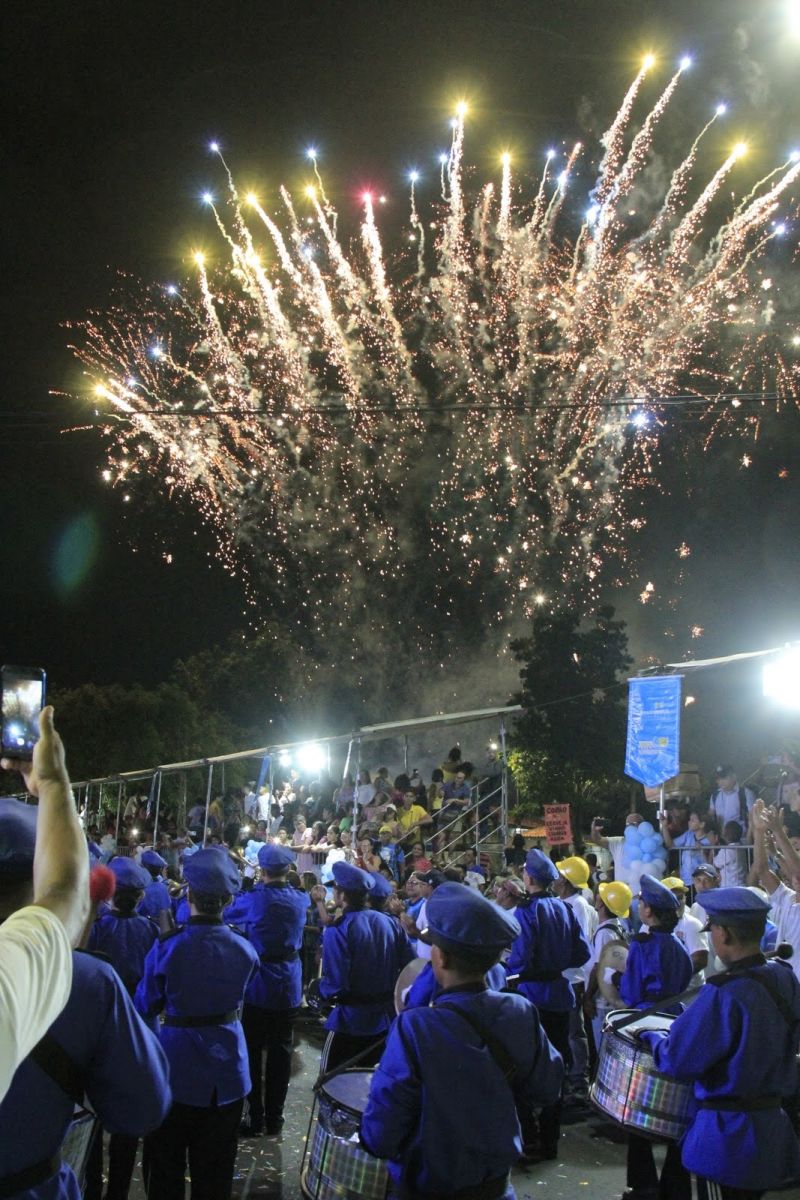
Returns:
(737, 905)
(381, 886)
(211, 872)
(128, 873)
(655, 894)
(17, 838)
(276, 858)
(150, 858)
(461, 916)
(540, 867)
(352, 879)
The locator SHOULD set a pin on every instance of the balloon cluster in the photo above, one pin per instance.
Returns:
(644, 852)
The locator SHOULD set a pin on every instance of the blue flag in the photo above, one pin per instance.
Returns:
(654, 729)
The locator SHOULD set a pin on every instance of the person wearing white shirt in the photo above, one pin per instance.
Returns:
(613, 907)
(704, 879)
(36, 940)
(689, 930)
(730, 802)
(731, 858)
(573, 877)
(616, 846)
(785, 900)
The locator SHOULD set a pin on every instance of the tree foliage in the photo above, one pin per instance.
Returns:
(568, 746)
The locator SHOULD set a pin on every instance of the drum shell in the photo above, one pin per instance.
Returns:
(77, 1144)
(338, 1168)
(628, 1088)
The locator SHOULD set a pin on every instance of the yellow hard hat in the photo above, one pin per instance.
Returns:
(675, 884)
(617, 897)
(576, 870)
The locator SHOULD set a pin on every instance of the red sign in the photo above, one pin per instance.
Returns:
(557, 824)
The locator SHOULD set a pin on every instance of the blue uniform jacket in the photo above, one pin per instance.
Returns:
(273, 917)
(125, 941)
(362, 955)
(551, 940)
(125, 1071)
(202, 969)
(439, 1135)
(425, 989)
(156, 899)
(658, 965)
(734, 1043)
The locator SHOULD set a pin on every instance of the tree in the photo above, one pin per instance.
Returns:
(568, 746)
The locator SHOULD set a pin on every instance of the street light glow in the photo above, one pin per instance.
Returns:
(781, 678)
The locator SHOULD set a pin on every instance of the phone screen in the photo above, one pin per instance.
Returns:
(23, 700)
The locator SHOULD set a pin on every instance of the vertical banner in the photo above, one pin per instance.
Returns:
(652, 753)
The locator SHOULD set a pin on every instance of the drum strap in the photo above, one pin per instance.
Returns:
(30, 1177)
(501, 1056)
(287, 956)
(52, 1058)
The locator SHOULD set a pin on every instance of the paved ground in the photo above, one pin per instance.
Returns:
(590, 1166)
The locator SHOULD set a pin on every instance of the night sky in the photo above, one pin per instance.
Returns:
(109, 110)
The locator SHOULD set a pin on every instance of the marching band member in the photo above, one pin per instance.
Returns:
(613, 907)
(738, 1042)
(438, 1145)
(550, 940)
(124, 937)
(658, 967)
(273, 917)
(363, 952)
(157, 898)
(197, 975)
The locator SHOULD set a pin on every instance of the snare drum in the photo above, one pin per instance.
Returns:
(338, 1167)
(77, 1144)
(628, 1088)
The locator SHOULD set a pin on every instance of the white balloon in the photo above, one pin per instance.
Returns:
(657, 867)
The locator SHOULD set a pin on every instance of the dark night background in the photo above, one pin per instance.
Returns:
(109, 108)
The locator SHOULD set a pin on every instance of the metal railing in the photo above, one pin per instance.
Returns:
(485, 817)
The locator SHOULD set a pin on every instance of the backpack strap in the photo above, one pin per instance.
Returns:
(51, 1057)
(767, 984)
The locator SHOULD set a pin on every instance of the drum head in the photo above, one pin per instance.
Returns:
(349, 1091)
(658, 1021)
(405, 979)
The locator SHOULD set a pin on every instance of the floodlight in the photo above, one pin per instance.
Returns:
(781, 678)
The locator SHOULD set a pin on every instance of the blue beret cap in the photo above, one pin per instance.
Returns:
(352, 879)
(540, 867)
(656, 894)
(463, 917)
(381, 886)
(211, 872)
(128, 873)
(152, 859)
(735, 904)
(276, 858)
(17, 838)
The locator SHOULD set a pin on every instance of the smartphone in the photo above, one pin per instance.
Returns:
(23, 700)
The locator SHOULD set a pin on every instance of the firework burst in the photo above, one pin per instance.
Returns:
(416, 447)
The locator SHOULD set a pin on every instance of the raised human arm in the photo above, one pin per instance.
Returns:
(768, 879)
(60, 862)
(599, 838)
(665, 833)
(773, 819)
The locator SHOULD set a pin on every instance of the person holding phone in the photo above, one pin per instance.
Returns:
(36, 939)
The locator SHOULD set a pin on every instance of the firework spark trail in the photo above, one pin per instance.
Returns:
(414, 462)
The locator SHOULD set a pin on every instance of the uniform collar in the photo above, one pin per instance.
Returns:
(744, 964)
(201, 919)
(276, 883)
(472, 988)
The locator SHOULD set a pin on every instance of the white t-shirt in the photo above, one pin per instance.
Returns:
(421, 922)
(689, 930)
(732, 865)
(727, 807)
(616, 846)
(715, 965)
(786, 915)
(587, 919)
(35, 982)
